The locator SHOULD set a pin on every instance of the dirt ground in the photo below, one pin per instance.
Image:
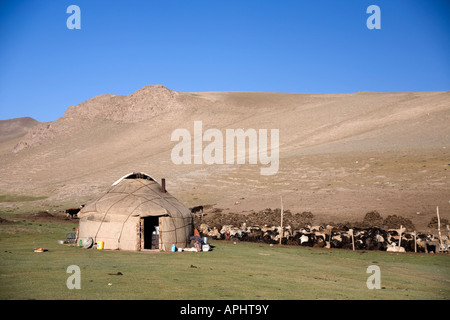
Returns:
(335, 188)
(6, 221)
(45, 216)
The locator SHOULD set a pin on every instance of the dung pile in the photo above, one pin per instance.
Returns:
(394, 221)
(272, 217)
(6, 221)
(267, 217)
(434, 223)
(373, 219)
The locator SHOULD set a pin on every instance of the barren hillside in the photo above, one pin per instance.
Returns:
(341, 155)
(15, 128)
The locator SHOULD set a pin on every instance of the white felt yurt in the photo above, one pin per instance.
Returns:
(137, 213)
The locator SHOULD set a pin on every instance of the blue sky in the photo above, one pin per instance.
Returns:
(311, 46)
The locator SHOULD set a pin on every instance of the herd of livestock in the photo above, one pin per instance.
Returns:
(391, 240)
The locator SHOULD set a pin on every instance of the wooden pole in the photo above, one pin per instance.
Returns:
(281, 229)
(400, 238)
(329, 229)
(353, 239)
(415, 242)
(439, 229)
(142, 233)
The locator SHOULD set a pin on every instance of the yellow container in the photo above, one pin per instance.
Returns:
(100, 245)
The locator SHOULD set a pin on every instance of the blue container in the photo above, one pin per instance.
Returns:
(174, 248)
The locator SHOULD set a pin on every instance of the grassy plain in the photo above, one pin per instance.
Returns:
(229, 271)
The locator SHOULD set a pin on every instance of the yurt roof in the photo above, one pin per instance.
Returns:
(135, 194)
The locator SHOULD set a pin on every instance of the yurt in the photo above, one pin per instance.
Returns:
(137, 213)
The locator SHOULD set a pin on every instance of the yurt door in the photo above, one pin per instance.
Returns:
(149, 232)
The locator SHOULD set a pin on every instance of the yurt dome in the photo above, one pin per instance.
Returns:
(137, 213)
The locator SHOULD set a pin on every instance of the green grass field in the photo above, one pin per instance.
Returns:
(240, 271)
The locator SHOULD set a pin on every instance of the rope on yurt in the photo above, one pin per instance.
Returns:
(156, 195)
(125, 221)
(126, 195)
(104, 216)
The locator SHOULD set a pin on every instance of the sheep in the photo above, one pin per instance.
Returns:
(394, 248)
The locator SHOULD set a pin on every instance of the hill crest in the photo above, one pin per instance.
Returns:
(15, 128)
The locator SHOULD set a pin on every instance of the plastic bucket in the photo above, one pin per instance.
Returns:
(174, 248)
(100, 245)
(205, 240)
(205, 247)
